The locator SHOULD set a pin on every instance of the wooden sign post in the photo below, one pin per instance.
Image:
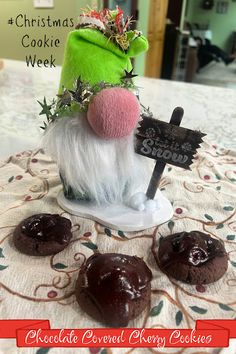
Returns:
(168, 144)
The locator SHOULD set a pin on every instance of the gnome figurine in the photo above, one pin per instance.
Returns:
(91, 134)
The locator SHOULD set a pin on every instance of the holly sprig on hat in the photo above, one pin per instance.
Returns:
(112, 24)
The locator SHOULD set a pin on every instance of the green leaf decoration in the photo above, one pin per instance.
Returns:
(121, 234)
(225, 307)
(171, 225)
(208, 217)
(90, 245)
(178, 318)
(3, 267)
(230, 237)
(163, 189)
(107, 232)
(59, 266)
(1, 254)
(10, 179)
(228, 208)
(220, 226)
(232, 179)
(233, 264)
(156, 310)
(218, 177)
(43, 350)
(169, 169)
(104, 351)
(198, 310)
(218, 188)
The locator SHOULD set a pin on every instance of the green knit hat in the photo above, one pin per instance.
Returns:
(100, 50)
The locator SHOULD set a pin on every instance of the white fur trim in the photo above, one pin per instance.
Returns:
(87, 20)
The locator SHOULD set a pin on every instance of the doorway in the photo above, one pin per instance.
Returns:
(156, 34)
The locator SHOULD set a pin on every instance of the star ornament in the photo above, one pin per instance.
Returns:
(81, 92)
(77, 93)
(64, 99)
(46, 109)
(129, 75)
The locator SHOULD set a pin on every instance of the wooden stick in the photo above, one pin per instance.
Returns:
(155, 179)
(176, 118)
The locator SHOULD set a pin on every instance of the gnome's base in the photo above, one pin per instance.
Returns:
(119, 216)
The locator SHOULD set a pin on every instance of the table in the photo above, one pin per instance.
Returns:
(203, 199)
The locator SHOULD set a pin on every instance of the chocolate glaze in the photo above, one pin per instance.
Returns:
(192, 248)
(47, 227)
(114, 288)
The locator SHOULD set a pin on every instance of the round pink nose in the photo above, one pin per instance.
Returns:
(113, 113)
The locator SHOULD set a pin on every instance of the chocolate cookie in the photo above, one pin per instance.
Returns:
(42, 234)
(192, 257)
(114, 288)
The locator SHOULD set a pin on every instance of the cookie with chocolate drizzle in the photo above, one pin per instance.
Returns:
(192, 257)
(113, 288)
(42, 234)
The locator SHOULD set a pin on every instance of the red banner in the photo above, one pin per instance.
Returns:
(8, 328)
(37, 333)
(218, 324)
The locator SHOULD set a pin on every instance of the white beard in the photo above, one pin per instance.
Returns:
(109, 171)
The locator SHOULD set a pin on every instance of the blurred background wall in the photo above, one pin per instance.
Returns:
(10, 35)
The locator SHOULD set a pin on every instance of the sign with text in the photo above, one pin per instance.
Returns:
(167, 142)
(38, 333)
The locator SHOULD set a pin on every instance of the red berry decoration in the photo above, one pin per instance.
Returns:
(207, 177)
(28, 198)
(200, 288)
(52, 294)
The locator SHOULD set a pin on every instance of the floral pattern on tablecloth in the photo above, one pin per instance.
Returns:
(43, 287)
